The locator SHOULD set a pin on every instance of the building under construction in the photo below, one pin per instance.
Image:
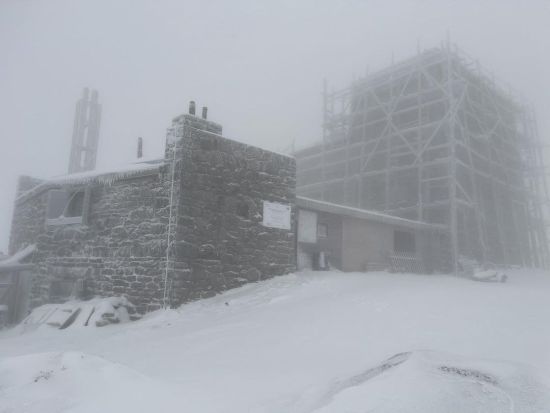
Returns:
(434, 138)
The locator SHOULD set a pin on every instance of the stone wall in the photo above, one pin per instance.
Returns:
(217, 240)
(28, 217)
(220, 242)
(120, 250)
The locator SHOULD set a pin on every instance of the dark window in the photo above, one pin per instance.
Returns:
(242, 210)
(322, 230)
(65, 207)
(75, 206)
(57, 201)
(403, 241)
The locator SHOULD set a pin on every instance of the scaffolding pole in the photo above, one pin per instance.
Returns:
(435, 138)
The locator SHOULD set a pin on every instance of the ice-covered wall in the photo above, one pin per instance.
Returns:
(218, 239)
(119, 251)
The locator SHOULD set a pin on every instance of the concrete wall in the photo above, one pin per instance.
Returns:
(365, 244)
(355, 244)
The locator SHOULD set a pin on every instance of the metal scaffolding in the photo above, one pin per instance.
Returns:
(434, 138)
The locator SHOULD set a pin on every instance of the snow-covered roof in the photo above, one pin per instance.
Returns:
(109, 175)
(323, 206)
(15, 260)
(103, 176)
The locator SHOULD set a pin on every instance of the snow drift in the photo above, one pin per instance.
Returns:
(302, 343)
(97, 312)
(77, 382)
(432, 382)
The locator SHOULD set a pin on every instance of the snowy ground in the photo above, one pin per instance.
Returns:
(300, 343)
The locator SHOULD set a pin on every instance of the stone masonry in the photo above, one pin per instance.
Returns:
(214, 242)
(220, 242)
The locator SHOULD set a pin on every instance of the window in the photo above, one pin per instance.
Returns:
(403, 241)
(75, 207)
(57, 201)
(65, 207)
(322, 230)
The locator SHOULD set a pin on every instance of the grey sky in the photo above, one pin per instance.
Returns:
(257, 65)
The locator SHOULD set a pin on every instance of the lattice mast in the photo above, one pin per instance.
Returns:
(85, 138)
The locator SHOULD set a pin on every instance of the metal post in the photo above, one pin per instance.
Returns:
(452, 164)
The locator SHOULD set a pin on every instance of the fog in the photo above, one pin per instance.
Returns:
(258, 66)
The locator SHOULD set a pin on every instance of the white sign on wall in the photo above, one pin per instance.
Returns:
(276, 215)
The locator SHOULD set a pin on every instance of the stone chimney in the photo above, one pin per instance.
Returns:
(140, 147)
(183, 125)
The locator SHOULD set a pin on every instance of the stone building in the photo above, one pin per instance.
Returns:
(211, 215)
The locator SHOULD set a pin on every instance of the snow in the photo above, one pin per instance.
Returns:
(330, 207)
(109, 175)
(438, 382)
(104, 176)
(18, 256)
(306, 342)
(76, 382)
(96, 312)
(489, 276)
